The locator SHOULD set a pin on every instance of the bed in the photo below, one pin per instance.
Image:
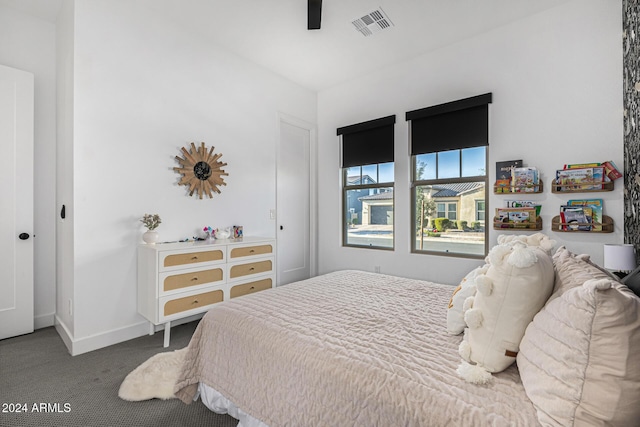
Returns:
(345, 348)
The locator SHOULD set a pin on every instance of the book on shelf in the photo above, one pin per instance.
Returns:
(611, 170)
(504, 168)
(581, 165)
(523, 204)
(574, 218)
(503, 186)
(580, 178)
(515, 217)
(524, 179)
(596, 206)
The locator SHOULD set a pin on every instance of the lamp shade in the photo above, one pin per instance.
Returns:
(619, 257)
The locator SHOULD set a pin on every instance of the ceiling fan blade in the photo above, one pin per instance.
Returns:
(314, 14)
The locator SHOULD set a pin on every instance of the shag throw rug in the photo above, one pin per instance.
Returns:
(154, 379)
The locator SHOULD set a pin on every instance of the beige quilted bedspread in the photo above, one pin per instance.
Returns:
(348, 348)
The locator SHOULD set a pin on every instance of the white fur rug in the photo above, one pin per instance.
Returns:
(154, 379)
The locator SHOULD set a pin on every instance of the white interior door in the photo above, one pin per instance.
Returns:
(16, 211)
(293, 203)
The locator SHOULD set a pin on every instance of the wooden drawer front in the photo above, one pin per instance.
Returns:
(180, 281)
(251, 287)
(246, 251)
(179, 305)
(257, 267)
(193, 257)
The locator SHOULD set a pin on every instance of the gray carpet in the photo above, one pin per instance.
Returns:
(37, 368)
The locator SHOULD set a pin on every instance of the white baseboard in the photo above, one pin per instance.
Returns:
(78, 346)
(67, 337)
(44, 321)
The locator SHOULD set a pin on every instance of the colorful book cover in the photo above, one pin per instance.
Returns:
(581, 165)
(503, 186)
(523, 204)
(503, 169)
(598, 176)
(577, 179)
(524, 179)
(574, 218)
(611, 170)
(596, 206)
(515, 217)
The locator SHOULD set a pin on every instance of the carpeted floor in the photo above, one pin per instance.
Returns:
(82, 391)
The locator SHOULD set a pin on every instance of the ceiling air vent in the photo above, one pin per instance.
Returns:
(373, 22)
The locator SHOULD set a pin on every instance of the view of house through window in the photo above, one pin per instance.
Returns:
(449, 201)
(368, 203)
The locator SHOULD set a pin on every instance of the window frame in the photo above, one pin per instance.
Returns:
(419, 183)
(346, 188)
(478, 210)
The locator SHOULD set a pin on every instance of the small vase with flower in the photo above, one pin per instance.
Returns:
(151, 221)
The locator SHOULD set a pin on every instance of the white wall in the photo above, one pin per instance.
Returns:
(28, 43)
(64, 172)
(556, 80)
(143, 88)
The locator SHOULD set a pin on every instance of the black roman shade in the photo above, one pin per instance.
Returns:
(367, 143)
(450, 126)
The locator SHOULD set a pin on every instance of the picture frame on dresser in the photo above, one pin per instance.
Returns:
(178, 280)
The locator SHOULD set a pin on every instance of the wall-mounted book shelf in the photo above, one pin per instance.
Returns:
(582, 187)
(515, 188)
(606, 226)
(519, 226)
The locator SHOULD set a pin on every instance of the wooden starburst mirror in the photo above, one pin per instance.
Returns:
(201, 171)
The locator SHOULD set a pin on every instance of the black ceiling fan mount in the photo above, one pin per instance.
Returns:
(314, 14)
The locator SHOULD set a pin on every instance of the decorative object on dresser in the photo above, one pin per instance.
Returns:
(619, 259)
(177, 280)
(201, 171)
(151, 221)
(223, 234)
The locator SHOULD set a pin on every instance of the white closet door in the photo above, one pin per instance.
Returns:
(293, 204)
(16, 207)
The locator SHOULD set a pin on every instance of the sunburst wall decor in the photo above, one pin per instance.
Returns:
(201, 171)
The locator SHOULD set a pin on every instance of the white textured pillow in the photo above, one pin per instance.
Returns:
(455, 310)
(536, 239)
(573, 270)
(578, 359)
(517, 284)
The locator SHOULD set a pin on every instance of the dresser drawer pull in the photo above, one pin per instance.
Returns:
(193, 279)
(252, 251)
(194, 257)
(195, 301)
(252, 268)
(252, 288)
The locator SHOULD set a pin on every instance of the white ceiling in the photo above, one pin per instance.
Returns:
(274, 33)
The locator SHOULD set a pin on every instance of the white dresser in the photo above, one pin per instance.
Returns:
(177, 280)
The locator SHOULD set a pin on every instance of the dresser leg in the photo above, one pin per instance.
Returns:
(152, 329)
(167, 333)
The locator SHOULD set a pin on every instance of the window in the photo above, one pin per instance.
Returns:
(447, 210)
(480, 204)
(367, 177)
(449, 145)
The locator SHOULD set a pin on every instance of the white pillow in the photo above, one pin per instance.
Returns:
(578, 359)
(517, 284)
(536, 239)
(455, 310)
(573, 270)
